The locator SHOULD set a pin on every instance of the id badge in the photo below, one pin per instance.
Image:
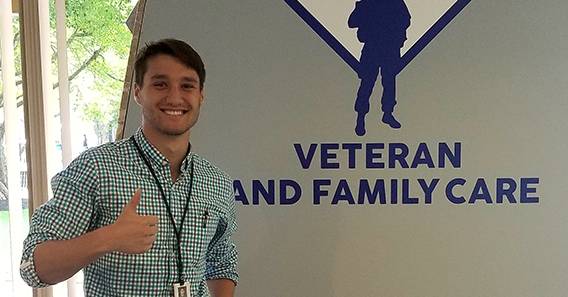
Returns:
(182, 290)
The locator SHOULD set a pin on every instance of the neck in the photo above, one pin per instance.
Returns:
(173, 147)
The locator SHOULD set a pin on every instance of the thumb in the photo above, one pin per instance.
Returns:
(133, 204)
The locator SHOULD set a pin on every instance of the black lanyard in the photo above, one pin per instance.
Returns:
(165, 199)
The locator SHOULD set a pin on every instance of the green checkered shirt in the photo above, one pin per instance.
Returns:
(91, 193)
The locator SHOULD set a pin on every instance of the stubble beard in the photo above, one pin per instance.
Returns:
(154, 122)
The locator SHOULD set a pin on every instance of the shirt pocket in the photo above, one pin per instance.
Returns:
(202, 225)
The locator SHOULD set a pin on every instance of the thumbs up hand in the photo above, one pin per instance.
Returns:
(132, 233)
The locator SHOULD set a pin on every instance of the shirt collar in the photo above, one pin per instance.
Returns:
(155, 157)
(187, 160)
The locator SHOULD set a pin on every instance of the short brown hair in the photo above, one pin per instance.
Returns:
(171, 47)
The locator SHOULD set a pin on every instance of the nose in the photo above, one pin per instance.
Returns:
(175, 95)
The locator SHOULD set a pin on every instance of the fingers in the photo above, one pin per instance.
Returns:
(152, 231)
(133, 204)
(151, 220)
(134, 233)
(141, 242)
(142, 246)
(148, 241)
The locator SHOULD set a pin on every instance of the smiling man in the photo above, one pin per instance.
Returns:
(144, 216)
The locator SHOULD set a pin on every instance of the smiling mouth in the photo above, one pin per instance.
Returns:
(174, 112)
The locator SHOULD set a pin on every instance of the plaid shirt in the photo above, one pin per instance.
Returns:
(91, 193)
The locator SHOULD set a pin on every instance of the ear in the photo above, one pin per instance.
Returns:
(137, 94)
(202, 96)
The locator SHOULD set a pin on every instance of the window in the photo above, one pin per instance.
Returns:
(87, 57)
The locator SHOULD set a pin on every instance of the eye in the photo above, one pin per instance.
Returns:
(159, 84)
(188, 86)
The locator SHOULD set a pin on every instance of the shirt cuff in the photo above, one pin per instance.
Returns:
(28, 272)
(234, 277)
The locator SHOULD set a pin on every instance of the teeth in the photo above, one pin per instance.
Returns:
(173, 112)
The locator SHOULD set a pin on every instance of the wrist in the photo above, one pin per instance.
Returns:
(104, 240)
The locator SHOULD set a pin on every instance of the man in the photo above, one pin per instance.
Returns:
(144, 216)
(381, 26)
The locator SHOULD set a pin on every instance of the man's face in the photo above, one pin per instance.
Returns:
(170, 96)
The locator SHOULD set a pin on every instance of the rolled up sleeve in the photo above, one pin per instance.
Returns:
(67, 215)
(27, 265)
(222, 256)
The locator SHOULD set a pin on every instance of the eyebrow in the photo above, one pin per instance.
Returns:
(189, 79)
(185, 78)
(158, 76)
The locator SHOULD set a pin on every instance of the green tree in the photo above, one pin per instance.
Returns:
(98, 45)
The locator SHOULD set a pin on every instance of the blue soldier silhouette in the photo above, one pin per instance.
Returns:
(381, 26)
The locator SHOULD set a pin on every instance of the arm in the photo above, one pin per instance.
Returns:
(58, 244)
(58, 260)
(67, 215)
(221, 287)
(221, 272)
